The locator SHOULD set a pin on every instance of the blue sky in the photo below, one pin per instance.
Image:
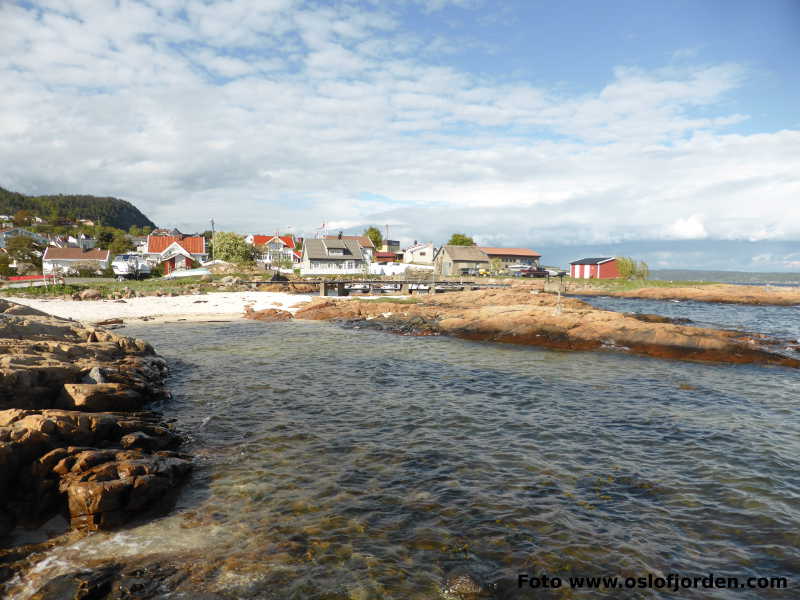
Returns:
(667, 130)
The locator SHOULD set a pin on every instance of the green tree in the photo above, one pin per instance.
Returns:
(642, 270)
(375, 235)
(24, 250)
(460, 239)
(231, 247)
(23, 218)
(120, 244)
(630, 268)
(626, 267)
(5, 268)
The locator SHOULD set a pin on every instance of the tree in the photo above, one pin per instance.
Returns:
(626, 267)
(120, 244)
(495, 265)
(23, 218)
(375, 235)
(460, 239)
(5, 268)
(231, 247)
(629, 268)
(24, 250)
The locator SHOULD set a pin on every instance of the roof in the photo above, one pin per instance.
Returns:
(263, 240)
(363, 240)
(156, 244)
(315, 249)
(510, 251)
(592, 261)
(466, 253)
(53, 253)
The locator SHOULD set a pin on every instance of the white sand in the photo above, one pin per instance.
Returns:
(221, 305)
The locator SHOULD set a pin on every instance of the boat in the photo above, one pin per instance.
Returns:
(130, 266)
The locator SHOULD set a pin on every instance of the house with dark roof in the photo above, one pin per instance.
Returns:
(333, 256)
(460, 260)
(364, 243)
(513, 256)
(594, 268)
(68, 261)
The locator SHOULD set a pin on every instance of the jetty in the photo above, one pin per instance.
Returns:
(344, 287)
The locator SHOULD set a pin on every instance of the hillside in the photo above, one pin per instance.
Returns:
(111, 212)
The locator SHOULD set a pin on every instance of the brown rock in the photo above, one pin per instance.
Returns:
(267, 315)
(100, 397)
(90, 294)
(518, 317)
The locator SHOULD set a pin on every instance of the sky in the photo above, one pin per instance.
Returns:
(669, 130)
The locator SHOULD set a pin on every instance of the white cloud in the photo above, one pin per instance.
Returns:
(690, 228)
(286, 113)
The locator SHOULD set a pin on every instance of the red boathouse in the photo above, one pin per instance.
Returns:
(594, 268)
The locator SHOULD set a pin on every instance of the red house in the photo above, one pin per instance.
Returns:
(594, 268)
(176, 252)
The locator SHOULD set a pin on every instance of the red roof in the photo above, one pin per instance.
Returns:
(510, 251)
(195, 244)
(53, 253)
(263, 240)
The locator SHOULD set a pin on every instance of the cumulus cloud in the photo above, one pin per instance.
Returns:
(282, 112)
(690, 228)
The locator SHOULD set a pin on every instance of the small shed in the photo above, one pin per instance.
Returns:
(594, 268)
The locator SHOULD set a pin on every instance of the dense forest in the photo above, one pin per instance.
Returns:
(110, 212)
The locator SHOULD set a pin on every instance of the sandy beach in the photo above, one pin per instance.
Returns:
(160, 309)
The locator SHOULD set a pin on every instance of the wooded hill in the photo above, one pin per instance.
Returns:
(110, 212)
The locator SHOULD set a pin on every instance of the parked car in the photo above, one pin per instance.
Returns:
(533, 272)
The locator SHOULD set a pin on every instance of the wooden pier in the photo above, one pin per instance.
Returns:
(343, 287)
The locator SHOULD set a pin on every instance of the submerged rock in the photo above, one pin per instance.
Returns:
(519, 317)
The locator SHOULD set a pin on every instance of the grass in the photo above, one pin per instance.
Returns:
(621, 285)
(107, 288)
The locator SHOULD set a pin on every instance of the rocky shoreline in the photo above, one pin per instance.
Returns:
(723, 293)
(75, 439)
(529, 317)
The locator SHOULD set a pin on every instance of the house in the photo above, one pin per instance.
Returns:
(386, 257)
(68, 261)
(594, 268)
(7, 234)
(364, 242)
(176, 257)
(277, 249)
(513, 256)
(176, 252)
(333, 256)
(171, 232)
(390, 246)
(460, 260)
(419, 253)
(82, 241)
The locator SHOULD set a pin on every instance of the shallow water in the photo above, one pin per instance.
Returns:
(358, 464)
(779, 321)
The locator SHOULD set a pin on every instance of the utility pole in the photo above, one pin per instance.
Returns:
(212, 238)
